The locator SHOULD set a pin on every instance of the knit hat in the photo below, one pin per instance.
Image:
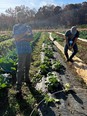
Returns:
(73, 30)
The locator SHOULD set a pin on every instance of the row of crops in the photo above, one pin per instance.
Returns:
(5, 37)
(48, 76)
(49, 66)
(8, 60)
(83, 34)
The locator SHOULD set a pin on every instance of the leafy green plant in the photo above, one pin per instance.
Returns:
(47, 61)
(36, 37)
(4, 37)
(48, 99)
(8, 64)
(37, 77)
(6, 45)
(52, 82)
(48, 42)
(44, 69)
(4, 82)
(83, 34)
(56, 65)
(67, 87)
(49, 53)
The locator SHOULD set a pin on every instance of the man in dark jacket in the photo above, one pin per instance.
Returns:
(71, 37)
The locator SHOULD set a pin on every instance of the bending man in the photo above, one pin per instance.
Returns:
(71, 42)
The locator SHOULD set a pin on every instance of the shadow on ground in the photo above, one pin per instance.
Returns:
(5, 109)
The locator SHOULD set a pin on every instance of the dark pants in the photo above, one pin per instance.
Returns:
(23, 68)
(75, 50)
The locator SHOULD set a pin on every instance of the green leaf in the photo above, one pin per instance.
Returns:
(3, 85)
(56, 100)
(67, 87)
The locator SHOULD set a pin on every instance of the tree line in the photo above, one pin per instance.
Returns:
(48, 16)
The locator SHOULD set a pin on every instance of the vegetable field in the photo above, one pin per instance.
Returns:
(57, 90)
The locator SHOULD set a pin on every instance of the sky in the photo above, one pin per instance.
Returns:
(5, 4)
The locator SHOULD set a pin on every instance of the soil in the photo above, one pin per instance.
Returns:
(73, 102)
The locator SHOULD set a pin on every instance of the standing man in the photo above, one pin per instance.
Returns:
(71, 37)
(23, 35)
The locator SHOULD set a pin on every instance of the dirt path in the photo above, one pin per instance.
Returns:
(79, 66)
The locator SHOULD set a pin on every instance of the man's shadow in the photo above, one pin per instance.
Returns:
(46, 109)
(64, 96)
(43, 108)
(77, 98)
(24, 106)
(4, 103)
